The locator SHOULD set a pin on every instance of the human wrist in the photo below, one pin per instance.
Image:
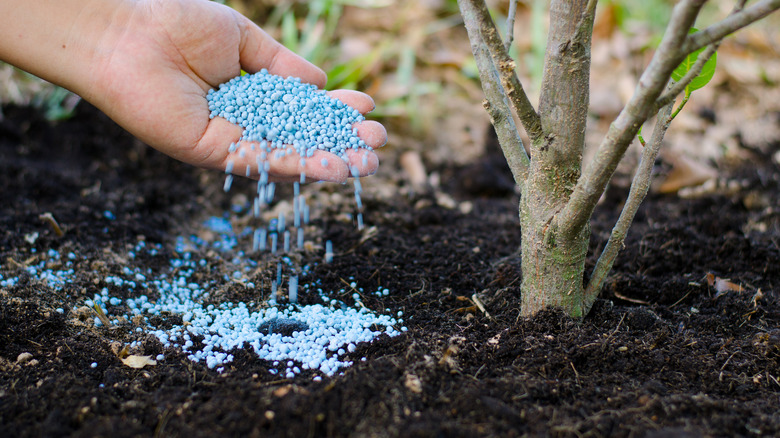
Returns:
(61, 41)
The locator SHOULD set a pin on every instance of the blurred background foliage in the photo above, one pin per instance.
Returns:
(414, 58)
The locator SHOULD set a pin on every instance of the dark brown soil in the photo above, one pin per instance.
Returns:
(662, 353)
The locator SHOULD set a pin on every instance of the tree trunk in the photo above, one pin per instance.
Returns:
(553, 266)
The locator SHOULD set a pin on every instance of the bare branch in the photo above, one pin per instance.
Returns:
(501, 117)
(639, 187)
(496, 102)
(729, 25)
(577, 212)
(590, 9)
(671, 94)
(585, 26)
(475, 13)
(510, 24)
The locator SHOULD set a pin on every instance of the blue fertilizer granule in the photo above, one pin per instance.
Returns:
(282, 113)
(314, 338)
(280, 117)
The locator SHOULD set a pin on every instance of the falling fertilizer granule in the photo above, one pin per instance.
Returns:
(281, 117)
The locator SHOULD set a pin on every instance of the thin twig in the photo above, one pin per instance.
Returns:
(637, 193)
(100, 314)
(49, 219)
(617, 327)
(475, 13)
(720, 375)
(675, 90)
(510, 24)
(497, 105)
(729, 25)
(577, 212)
(576, 374)
(481, 306)
(586, 22)
(681, 299)
(682, 104)
(675, 46)
(591, 8)
(671, 94)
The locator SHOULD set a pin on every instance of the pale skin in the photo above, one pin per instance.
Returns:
(148, 65)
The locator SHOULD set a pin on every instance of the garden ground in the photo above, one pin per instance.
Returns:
(685, 340)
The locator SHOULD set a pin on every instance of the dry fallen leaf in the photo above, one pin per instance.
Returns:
(722, 285)
(135, 361)
(685, 173)
(121, 351)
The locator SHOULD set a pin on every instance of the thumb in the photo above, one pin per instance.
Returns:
(259, 50)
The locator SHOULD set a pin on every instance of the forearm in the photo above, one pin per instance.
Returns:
(59, 40)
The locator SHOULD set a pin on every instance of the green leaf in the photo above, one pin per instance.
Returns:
(706, 72)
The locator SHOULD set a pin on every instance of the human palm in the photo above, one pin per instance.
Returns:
(165, 57)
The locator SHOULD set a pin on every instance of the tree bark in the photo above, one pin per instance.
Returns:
(553, 266)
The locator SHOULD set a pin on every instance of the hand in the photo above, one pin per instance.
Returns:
(173, 51)
(148, 65)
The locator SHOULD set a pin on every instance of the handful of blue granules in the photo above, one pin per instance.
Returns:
(280, 113)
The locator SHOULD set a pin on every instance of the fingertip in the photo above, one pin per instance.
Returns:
(355, 99)
(372, 133)
(324, 166)
(364, 161)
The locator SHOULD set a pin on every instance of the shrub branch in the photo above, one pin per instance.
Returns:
(588, 17)
(730, 24)
(675, 45)
(510, 24)
(476, 15)
(591, 185)
(496, 102)
(500, 114)
(671, 94)
(639, 187)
